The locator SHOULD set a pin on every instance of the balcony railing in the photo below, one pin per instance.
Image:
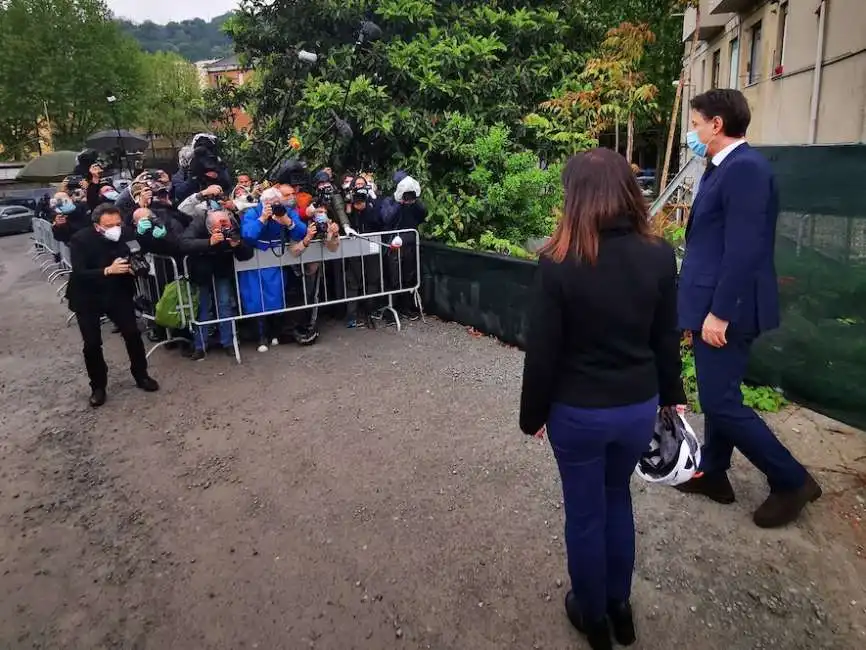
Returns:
(733, 6)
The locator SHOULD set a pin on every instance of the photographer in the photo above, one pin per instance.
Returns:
(404, 211)
(206, 168)
(362, 273)
(69, 217)
(213, 273)
(102, 283)
(269, 226)
(197, 205)
(329, 198)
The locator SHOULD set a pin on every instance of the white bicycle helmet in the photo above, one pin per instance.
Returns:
(675, 452)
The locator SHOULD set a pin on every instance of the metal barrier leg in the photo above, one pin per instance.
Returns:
(390, 307)
(235, 341)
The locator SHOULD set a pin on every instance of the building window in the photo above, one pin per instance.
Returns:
(734, 59)
(755, 53)
(717, 69)
(781, 40)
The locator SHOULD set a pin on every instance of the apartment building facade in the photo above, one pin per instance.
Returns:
(800, 63)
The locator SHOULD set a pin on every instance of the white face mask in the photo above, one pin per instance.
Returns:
(112, 234)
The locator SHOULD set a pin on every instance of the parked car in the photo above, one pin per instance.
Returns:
(15, 219)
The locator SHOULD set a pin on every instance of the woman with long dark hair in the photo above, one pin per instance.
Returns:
(602, 355)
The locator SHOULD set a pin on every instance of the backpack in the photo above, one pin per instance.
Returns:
(172, 311)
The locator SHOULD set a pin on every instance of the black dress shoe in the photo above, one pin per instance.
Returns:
(97, 397)
(622, 623)
(715, 486)
(147, 384)
(782, 508)
(596, 632)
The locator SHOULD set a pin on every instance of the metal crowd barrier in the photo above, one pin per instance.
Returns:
(364, 262)
(149, 290)
(58, 263)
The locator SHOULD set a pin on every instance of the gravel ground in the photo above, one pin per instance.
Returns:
(370, 492)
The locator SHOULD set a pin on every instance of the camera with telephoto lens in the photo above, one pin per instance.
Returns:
(278, 210)
(138, 262)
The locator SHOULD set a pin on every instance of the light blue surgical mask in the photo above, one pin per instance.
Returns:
(143, 226)
(213, 205)
(694, 143)
(111, 196)
(66, 208)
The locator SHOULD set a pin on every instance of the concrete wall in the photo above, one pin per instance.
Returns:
(781, 102)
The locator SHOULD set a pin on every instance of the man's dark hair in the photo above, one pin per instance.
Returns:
(729, 105)
(102, 209)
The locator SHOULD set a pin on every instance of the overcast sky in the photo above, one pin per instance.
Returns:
(163, 11)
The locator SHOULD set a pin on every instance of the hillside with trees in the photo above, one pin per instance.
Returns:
(194, 40)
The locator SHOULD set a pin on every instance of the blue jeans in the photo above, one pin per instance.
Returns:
(596, 451)
(223, 287)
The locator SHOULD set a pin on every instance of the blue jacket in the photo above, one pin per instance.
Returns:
(728, 268)
(263, 290)
(259, 234)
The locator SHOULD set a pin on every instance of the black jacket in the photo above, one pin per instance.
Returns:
(605, 335)
(89, 289)
(367, 220)
(78, 219)
(403, 216)
(215, 261)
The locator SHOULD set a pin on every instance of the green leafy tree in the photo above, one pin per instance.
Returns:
(172, 101)
(59, 60)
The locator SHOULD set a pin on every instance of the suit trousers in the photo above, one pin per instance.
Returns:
(597, 451)
(122, 313)
(730, 424)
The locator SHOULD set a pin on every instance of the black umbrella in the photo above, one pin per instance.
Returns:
(110, 140)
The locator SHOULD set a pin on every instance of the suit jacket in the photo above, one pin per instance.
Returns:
(728, 268)
(89, 289)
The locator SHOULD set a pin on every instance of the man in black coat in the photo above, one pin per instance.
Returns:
(102, 283)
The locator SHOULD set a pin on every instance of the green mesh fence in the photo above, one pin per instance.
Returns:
(818, 356)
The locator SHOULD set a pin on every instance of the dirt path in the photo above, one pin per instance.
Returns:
(371, 492)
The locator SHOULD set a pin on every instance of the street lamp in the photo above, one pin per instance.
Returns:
(122, 160)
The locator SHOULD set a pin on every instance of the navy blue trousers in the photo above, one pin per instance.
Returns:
(596, 451)
(728, 423)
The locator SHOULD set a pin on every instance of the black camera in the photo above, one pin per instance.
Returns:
(230, 234)
(73, 183)
(138, 262)
(360, 195)
(321, 221)
(278, 210)
(324, 195)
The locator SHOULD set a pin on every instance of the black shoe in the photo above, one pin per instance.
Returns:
(622, 623)
(147, 384)
(715, 486)
(97, 397)
(782, 508)
(197, 355)
(596, 632)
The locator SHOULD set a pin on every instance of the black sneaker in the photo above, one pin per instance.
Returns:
(197, 355)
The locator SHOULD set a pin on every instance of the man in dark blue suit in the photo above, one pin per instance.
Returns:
(728, 296)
